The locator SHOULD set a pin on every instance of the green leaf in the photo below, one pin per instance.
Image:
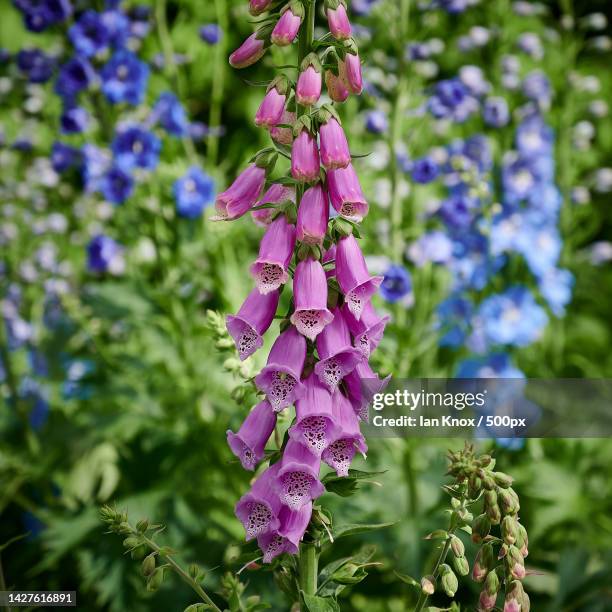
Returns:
(408, 580)
(344, 486)
(320, 604)
(353, 528)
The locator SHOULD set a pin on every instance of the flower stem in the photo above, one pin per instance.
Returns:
(308, 568)
(424, 597)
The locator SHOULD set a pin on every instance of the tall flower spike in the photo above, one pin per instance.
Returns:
(345, 193)
(285, 539)
(337, 19)
(258, 509)
(353, 277)
(334, 146)
(252, 321)
(242, 194)
(275, 195)
(368, 330)
(272, 107)
(308, 88)
(310, 299)
(313, 215)
(298, 478)
(280, 379)
(305, 165)
(275, 251)
(339, 454)
(249, 443)
(250, 51)
(315, 427)
(288, 25)
(337, 357)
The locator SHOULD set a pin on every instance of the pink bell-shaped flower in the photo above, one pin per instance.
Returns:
(345, 193)
(337, 19)
(298, 478)
(305, 165)
(313, 215)
(286, 538)
(270, 111)
(288, 25)
(308, 88)
(249, 52)
(334, 146)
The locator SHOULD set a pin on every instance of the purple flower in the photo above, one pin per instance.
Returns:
(280, 379)
(170, 114)
(193, 192)
(350, 72)
(495, 112)
(103, 253)
(272, 107)
(424, 170)
(338, 22)
(305, 165)
(276, 194)
(89, 35)
(38, 15)
(457, 211)
(124, 78)
(396, 284)
(334, 146)
(368, 331)
(211, 33)
(361, 385)
(134, 146)
(287, 26)
(252, 321)
(345, 193)
(377, 122)
(249, 443)
(310, 299)
(117, 185)
(35, 64)
(286, 538)
(308, 88)
(298, 477)
(353, 276)
(315, 427)
(337, 357)
(251, 50)
(242, 194)
(313, 215)
(74, 76)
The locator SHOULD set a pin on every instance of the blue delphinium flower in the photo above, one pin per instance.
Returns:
(533, 137)
(38, 15)
(556, 288)
(124, 78)
(170, 114)
(397, 285)
(452, 100)
(193, 192)
(118, 27)
(139, 20)
(35, 64)
(377, 122)
(453, 7)
(211, 33)
(457, 211)
(454, 314)
(64, 157)
(103, 254)
(135, 146)
(424, 170)
(116, 185)
(512, 318)
(363, 7)
(536, 86)
(74, 120)
(76, 75)
(89, 35)
(495, 112)
(96, 162)
(434, 246)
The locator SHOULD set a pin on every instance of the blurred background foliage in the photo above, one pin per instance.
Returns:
(117, 392)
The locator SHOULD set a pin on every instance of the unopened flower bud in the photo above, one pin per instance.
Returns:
(457, 546)
(502, 480)
(449, 581)
(155, 580)
(509, 529)
(514, 597)
(139, 552)
(515, 563)
(484, 460)
(480, 528)
(131, 542)
(142, 525)
(490, 497)
(148, 565)
(522, 542)
(486, 602)
(508, 501)
(428, 585)
(494, 514)
(485, 560)
(492, 583)
(461, 565)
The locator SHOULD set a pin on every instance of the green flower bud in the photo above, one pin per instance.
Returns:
(131, 542)
(509, 529)
(449, 581)
(139, 552)
(489, 483)
(485, 561)
(194, 570)
(492, 583)
(480, 528)
(155, 579)
(474, 485)
(142, 525)
(148, 565)
(508, 501)
(502, 480)
(522, 542)
(457, 546)
(515, 595)
(494, 514)
(428, 585)
(484, 460)
(515, 563)
(490, 497)
(461, 565)
(199, 607)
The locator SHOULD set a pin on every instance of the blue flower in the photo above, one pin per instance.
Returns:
(457, 211)
(536, 86)
(477, 148)
(64, 157)
(116, 185)
(170, 114)
(556, 288)
(124, 78)
(193, 192)
(102, 253)
(74, 76)
(435, 247)
(533, 137)
(139, 21)
(38, 15)
(495, 112)
(451, 100)
(363, 7)
(74, 120)
(518, 178)
(454, 318)
(96, 163)
(453, 7)
(89, 35)
(136, 146)
(211, 33)
(424, 170)
(512, 318)
(377, 122)
(495, 365)
(35, 64)
(396, 285)
(118, 27)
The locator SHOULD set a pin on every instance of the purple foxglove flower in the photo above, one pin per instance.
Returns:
(368, 330)
(352, 274)
(350, 73)
(275, 251)
(361, 385)
(310, 299)
(285, 539)
(345, 193)
(313, 215)
(336, 88)
(308, 88)
(242, 194)
(339, 454)
(280, 379)
(334, 146)
(252, 321)
(305, 165)
(337, 357)
(258, 509)
(288, 25)
(337, 20)
(256, 7)
(315, 427)
(298, 478)
(249, 443)
(249, 52)
(272, 106)
(283, 135)
(275, 195)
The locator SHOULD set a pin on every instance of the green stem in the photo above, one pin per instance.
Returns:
(308, 568)
(424, 597)
(214, 117)
(183, 574)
